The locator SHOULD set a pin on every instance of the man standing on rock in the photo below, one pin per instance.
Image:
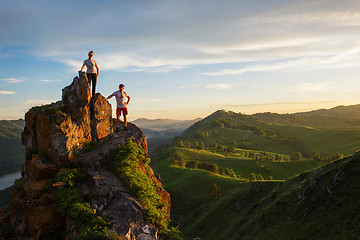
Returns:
(90, 71)
(120, 96)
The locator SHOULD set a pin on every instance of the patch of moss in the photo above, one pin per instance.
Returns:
(54, 113)
(125, 163)
(69, 202)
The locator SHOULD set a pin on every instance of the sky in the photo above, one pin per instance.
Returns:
(184, 59)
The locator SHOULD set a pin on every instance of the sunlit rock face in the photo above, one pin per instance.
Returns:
(60, 129)
(54, 137)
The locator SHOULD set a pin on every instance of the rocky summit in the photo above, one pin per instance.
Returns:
(62, 140)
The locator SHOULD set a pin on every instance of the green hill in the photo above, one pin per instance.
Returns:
(11, 149)
(337, 117)
(225, 172)
(320, 204)
(281, 133)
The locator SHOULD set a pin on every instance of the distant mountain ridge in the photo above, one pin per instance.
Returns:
(161, 124)
(337, 117)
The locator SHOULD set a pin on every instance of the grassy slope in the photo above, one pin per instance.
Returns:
(189, 189)
(320, 204)
(323, 140)
(244, 167)
(320, 140)
(199, 214)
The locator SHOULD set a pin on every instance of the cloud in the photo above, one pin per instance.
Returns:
(37, 102)
(220, 86)
(152, 36)
(345, 59)
(192, 86)
(311, 87)
(12, 80)
(7, 92)
(48, 80)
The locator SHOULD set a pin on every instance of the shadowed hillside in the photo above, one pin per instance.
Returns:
(320, 204)
(11, 149)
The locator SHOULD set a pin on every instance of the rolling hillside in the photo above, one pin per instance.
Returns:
(283, 133)
(229, 173)
(320, 204)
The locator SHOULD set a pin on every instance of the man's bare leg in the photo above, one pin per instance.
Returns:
(117, 122)
(125, 122)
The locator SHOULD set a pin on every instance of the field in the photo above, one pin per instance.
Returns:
(245, 166)
(260, 145)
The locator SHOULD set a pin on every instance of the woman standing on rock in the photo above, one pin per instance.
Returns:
(90, 71)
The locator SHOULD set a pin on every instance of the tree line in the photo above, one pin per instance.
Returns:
(292, 142)
(178, 160)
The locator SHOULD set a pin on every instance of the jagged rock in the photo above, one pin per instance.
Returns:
(51, 132)
(34, 168)
(33, 218)
(60, 129)
(101, 119)
(33, 188)
(76, 98)
(53, 135)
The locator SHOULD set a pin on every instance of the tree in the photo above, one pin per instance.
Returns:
(230, 149)
(259, 177)
(253, 177)
(213, 167)
(174, 161)
(181, 162)
(324, 157)
(192, 164)
(337, 156)
(214, 190)
(180, 144)
(295, 156)
(316, 157)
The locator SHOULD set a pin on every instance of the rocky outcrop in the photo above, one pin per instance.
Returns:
(55, 137)
(59, 130)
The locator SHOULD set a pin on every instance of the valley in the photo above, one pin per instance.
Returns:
(225, 173)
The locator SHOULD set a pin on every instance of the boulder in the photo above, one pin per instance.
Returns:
(36, 169)
(76, 98)
(31, 217)
(101, 117)
(33, 188)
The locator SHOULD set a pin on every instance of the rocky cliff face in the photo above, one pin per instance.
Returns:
(76, 132)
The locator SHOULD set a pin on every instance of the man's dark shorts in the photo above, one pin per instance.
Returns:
(123, 110)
